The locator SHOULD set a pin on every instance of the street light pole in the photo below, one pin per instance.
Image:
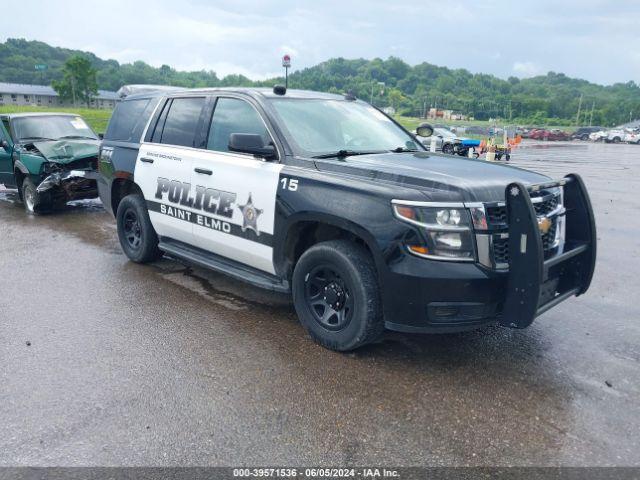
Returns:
(373, 85)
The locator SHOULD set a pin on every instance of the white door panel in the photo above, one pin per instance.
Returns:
(170, 164)
(253, 184)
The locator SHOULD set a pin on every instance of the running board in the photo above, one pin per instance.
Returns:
(220, 264)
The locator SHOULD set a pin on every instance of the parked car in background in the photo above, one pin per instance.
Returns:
(554, 135)
(582, 133)
(615, 135)
(48, 157)
(445, 139)
(632, 136)
(598, 136)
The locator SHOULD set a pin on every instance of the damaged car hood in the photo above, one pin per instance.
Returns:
(467, 179)
(65, 151)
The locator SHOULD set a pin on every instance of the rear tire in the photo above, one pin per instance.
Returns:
(35, 203)
(336, 296)
(137, 236)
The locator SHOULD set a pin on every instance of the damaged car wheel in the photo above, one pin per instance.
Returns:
(135, 232)
(34, 201)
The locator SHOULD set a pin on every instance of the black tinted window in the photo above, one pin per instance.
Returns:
(182, 121)
(233, 116)
(129, 119)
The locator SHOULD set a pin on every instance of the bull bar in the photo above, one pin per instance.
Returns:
(536, 284)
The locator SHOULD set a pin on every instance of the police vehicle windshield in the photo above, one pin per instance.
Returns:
(324, 128)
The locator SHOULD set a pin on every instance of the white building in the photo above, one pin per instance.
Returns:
(45, 96)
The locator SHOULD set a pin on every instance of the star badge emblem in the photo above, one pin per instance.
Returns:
(515, 191)
(250, 216)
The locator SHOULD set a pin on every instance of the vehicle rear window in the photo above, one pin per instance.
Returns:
(182, 121)
(129, 119)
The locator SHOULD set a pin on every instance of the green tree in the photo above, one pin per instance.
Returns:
(79, 83)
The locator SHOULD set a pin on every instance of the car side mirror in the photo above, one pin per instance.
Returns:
(424, 130)
(4, 144)
(101, 136)
(251, 143)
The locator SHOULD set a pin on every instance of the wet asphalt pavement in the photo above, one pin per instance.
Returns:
(105, 362)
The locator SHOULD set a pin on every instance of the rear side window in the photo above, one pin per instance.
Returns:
(181, 122)
(129, 119)
(232, 115)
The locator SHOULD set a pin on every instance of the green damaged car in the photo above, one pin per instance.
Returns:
(51, 158)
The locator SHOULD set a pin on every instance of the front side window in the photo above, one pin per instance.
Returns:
(319, 127)
(232, 115)
(182, 121)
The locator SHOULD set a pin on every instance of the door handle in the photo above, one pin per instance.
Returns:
(146, 160)
(204, 171)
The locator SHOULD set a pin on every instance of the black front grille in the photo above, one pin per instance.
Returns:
(546, 207)
(497, 219)
(501, 245)
(497, 216)
(501, 250)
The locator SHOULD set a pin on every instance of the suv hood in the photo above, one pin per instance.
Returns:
(65, 151)
(439, 177)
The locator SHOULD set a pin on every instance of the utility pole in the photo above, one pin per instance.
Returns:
(579, 108)
(373, 85)
(73, 89)
(593, 105)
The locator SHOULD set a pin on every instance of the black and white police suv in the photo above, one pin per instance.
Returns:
(326, 197)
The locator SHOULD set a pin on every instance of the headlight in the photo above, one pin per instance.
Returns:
(446, 231)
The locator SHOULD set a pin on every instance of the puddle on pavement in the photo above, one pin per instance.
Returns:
(222, 290)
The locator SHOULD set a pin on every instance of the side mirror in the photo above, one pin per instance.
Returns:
(101, 136)
(4, 144)
(424, 130)
(251, 143)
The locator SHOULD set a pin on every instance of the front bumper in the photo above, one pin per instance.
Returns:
(429, 296)
(64, 186)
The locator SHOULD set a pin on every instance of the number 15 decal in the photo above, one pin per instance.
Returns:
(289, 183)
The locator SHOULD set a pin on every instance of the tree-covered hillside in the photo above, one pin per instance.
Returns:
(552, 98)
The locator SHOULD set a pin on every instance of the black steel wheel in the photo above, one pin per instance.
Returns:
(132, 229)
(328, 298)
(137, 236)
(336, 295)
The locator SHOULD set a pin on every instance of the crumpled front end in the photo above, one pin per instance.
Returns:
(73, 181)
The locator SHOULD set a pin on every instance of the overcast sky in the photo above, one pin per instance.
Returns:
(593, 39)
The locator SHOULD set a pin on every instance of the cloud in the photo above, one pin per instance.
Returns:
(251, 35)
(526, 69)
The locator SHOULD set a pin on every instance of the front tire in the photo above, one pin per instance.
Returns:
(336, 296)
(137, 236)
(34, 202)
(447, 148)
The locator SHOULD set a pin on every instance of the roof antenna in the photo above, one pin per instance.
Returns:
(350, 96)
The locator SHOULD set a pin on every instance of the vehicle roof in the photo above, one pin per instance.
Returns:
(39, 114)
(260, 92)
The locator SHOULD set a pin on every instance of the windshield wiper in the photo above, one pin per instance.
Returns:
(38, 138)
(77, 136)
(403, 149)
(347, 153)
